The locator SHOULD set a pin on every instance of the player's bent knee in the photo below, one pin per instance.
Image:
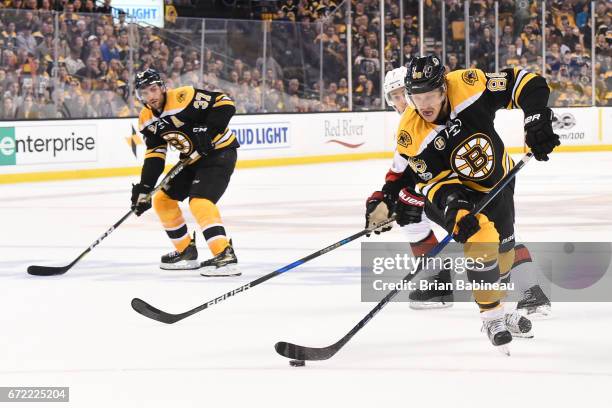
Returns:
(162, 201)
(204, 211)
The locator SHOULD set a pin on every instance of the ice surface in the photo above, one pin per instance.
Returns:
(78, 330)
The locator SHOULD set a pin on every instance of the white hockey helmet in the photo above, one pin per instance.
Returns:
(394, 79)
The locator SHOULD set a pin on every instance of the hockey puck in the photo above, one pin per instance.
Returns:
(297, 363)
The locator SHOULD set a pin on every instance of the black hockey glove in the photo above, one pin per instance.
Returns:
(409, 208)
(539, 134)
(140, 201)
(468, 224)
(379, 207)
(204, 143)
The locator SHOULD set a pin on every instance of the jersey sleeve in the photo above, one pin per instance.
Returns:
(215, 110)
(156, 148)
(517, 88)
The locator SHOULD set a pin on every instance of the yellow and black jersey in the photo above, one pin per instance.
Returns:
(466, 149)
(187, 112)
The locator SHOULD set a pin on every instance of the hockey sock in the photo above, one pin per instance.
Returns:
(484, 246)
(172, 219)
(425, 245)
(207, 215)
(488, 273)
(506, 260)
(523, 269)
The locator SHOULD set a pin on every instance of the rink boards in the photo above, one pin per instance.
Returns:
(69, 149)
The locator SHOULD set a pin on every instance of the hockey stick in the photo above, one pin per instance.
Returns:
(154, 313)
(296, 352)
(60, 270)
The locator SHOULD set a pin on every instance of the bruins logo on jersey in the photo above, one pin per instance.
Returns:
(474, 159)
(181, 96)
(469, 77)
(404, 139)
(417, 165)
(179, 141)
(439, 142)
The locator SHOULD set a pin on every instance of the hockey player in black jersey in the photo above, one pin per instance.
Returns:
(189, 120)
(456, 156)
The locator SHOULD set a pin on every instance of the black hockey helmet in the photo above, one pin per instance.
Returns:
(146, 78)
(424, 74)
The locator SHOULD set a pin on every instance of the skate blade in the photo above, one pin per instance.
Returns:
(181, 265)
(504, 349)
(539, 312)
(528, 335)
(227, 270)
(430, 305)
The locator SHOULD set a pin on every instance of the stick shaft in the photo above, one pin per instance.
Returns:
(45, 270)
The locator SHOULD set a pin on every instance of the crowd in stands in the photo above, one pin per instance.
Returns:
(72, 58)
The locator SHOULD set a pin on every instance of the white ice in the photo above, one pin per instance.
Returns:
(78, 330)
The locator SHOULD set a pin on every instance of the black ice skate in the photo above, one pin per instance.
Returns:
(224, 264)
(434, 298)
(497, 331)
(518, 325)
(188, 259)
(534, 302)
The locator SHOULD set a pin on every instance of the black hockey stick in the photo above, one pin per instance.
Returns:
(296, 352)
(154, 313)
(60, 270)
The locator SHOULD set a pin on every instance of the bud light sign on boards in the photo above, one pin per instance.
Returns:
(141, 11)
(263, 135)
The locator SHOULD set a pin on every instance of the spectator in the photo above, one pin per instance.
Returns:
(28, 110)
(45, 47)
(91, 70)
(74, 63)
(105, 8)
(8, 108)
(25, 40)
(109, 49)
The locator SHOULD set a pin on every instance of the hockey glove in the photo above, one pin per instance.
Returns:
(141, 202)
(539, 134)
(468, 224)
(409, 208)
(379, 207)
(204, 143)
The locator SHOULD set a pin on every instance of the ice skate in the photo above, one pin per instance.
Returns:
(518, 325)
(433, 298)
(175, 260)
(224, 264)
(495, 327)
(534, 302)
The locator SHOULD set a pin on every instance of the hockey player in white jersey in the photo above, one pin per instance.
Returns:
(379, 206)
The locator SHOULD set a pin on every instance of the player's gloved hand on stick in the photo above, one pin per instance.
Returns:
(379, 207)
(140, 201)
(467, 225)
(203, 142)
(539, 134)
(409, 208)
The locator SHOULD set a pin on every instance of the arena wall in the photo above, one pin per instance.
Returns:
(71, 149)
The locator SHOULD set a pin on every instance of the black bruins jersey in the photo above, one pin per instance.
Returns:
(185, 114)
(467, 150)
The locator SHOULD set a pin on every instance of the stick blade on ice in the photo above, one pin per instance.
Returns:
(295, 352)
(154, 313)
(47, 270)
